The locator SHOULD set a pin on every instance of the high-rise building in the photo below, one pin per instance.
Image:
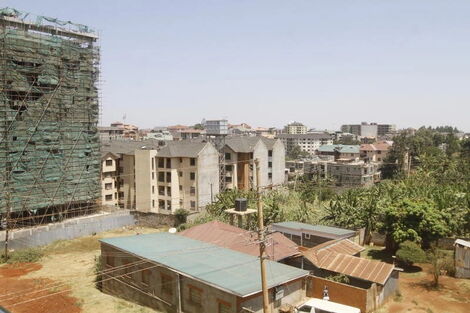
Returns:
(295, 128)
(370, 130)
(49, 145)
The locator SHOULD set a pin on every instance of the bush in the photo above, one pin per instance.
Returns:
(181, 215)
(29, 255)
(340, 278)
(410, 252)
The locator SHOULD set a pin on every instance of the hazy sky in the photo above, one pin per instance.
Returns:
(266, 63)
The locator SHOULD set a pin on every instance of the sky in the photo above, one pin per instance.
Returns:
(269, 62)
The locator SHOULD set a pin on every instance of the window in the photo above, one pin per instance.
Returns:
(228, 168)
(161, 162)
(161, 177)
(168, 204)
(228, 179)
(168, 191)
(109, 162)
(307, 236)
(270, 164)
(195, 295)
(161, 190)
(193, 205)
(270, 175)
(168, 177)
(153, 175)
(108, 186)
(228, 156)
(181, 187)
(121, 194)
(167, 287)
(192, 176)
(153, 203)
(270, 153)
(223, 306)
(180, 174)
(146, 277)
(168, 163)
(108, 197)
(192, 161)
(161, 204)
(153, 189)
(153, 164)
(192, 191)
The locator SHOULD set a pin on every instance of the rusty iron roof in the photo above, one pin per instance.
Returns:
(330, 258)
(345, 246)
(241, 240)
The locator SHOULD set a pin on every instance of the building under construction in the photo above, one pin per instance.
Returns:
(49, 111)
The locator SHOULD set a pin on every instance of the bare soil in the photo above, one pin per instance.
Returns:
(63, 281)
(418, 295)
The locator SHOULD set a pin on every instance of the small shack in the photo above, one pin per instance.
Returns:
(462, 258)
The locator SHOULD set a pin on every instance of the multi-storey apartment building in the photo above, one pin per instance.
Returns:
(353, 173)
(240, 153)
(150, 177)
(109, 181)
(376, 152)
(307, 142)
(340, 151)
(295, 128)
(372, 130)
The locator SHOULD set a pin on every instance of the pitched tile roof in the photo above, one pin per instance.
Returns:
(242, 144)
(241, 240)
(189, 149)
(228, 270)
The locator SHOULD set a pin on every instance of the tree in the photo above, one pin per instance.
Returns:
(410, 252)
(414, 220)
(437, 259)
(296, 153)
(198, 126)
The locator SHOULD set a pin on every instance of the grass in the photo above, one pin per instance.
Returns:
(29, 255)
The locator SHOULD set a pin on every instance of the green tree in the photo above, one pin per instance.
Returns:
(296, 153)
(413, 220)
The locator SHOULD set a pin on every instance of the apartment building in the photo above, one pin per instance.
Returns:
(150, 177)
(129, 131)
(369, 130)
(340, 151)
(108, 133)
(353, 173)
(109, 182)
(375, 152)
(307, 142)
(240, 153)
(295, 128)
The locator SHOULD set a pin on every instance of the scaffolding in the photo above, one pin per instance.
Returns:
(49, 112)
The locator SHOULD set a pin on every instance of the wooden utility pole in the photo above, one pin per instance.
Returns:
(262, 241)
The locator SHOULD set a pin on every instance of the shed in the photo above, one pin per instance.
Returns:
(462, 258)
(311, 235)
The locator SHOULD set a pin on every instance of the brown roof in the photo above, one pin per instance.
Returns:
(330, 258)
(241, 240)
(345, 246)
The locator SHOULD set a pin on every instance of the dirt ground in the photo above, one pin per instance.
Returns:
(63, 281)
(417, 295)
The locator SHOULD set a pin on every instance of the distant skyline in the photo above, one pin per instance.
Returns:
(266, 63)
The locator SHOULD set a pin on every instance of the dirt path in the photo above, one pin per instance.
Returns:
(417, 295)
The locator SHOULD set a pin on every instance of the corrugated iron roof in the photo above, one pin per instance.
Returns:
(339, 148)
(462, 242)
(317, 228)
(345, 246)
(234, 272)
(342, 263)
(241, 240)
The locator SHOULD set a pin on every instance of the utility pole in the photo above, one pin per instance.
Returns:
(262, 241)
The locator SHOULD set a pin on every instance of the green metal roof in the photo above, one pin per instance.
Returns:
(231, 271)
(340, 148)
(319, 228)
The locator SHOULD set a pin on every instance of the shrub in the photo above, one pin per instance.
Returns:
(29, 255)
(340, 278)
(181, 215)
(410, 252)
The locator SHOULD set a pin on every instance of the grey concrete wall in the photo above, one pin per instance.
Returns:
(279, 163)
(207, 175)
(69, 229)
